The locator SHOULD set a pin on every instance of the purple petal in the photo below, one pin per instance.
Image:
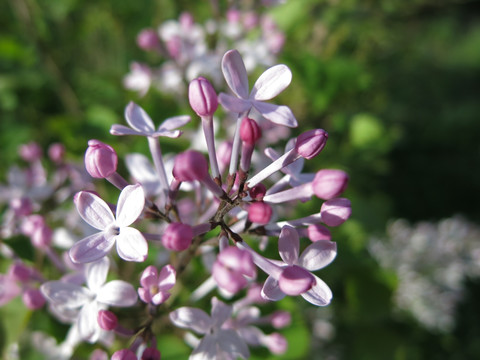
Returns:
(295, 280)
(149, 276)
(318, 255)
(91, 248)
(117, 293)
(87, 321)
(320, 294)
(130, 204)
(191, 318)
(206, 349)
(235, 73)
(231, 343)
(220, 312)
(96, 273)
(121, 130)
(93, 210)
(271, 291)
(67, 295)
(160, 298)
(144, 295)
(234, 104)
(271, 83)
(173, 123)
(131, 245)
(167, 278)
(138, 119)
(278, 114)
(289, 245)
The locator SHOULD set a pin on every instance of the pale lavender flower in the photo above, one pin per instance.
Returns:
(155, 286)
(131, 245)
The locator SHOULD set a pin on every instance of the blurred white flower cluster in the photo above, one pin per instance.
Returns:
(431, 261)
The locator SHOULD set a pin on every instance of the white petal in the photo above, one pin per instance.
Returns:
(235, 73)
(320, 294)
(93, 210)
(206, 349)
(142, 171)
(96, 273)
(117, 293)
(130, 204)
(271, 291)
(234, 104)
(271, 83)
(131, 245)
(192, 318)
(230, 342)
(65, 294)
(289, 245)
(87, 320)
(318, 255)
(220, 312)
(138, 119)
(174, 123)
(278, 114)
(121, 130)
(92, 248)
(171, 134)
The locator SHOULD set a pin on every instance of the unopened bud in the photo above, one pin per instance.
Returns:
(189, 166)
(329, 183)
(56, 152)
(107, 320)
(100, 159)
(336, 211)
(33, 299)
(20, 272)
(124, 354)
(281, 319)
(250, 132)
(177, 236)
(42, 237)
(202, 97)
(310, 143)
(21, 206)
(317, 232)
(150, 353)
(258, 192)
(148, 39)
(30, 152)
(259, 212)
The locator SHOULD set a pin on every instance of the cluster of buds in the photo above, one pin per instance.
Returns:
(216, 205)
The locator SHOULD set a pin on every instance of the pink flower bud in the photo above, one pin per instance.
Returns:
(295, 280)
(189, 166)
(281, 319)
(336, 211)
(310, 143)
(329, 183)
(250, 132)
(33, 299)
(258, 192)
(148, 39)
(259, 212)
(318, 232)
(124, 354)
(202, 97)
(107, 320)
(150, 353)
(231, 266)
(56, 152)
(21, 206)
(177, 236)
(32, 224)
(276, 343)
(30, 152)
(42, 237)
(100, 159)
(20, 272)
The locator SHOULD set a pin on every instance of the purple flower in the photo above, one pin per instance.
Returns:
(131, 245)
(155, 286)
(272, 82)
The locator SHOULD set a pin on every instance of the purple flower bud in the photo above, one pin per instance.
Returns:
(100, 159)
(177, 236)
(148, 39)
(150, 353)
(259, 212)
(295, 280)
(56, 152)
(317, 232)
(30, 152)
(107, 320)
(231, 266)
(329, 183)
(42, 237)
(281, 319)
(33, 299)
(124, 354)
(20, 272)
(310, 143)
(336, 211)
(189, 166)
(258, 192)
(21, 206)
(250, 132)
(202, 97)
(276, 343)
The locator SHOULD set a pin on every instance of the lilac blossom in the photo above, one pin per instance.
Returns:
(155, 285)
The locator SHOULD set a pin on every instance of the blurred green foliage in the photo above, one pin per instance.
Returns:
(395, 83)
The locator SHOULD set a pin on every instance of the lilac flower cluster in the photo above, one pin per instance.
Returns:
(191, 206)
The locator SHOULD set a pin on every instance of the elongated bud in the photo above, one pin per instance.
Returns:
(100, 159)
(259, 212)
(310, 143)
(202, 97)
(189, 166)
(329, 183)
(258, 192)
(148, 39)
(56, 152)
(177, 236)
(276, 343)
(33, 299)
(20, 272)
(107, 320)
(280, 319)
(250, 132)
(30, 152)
(150, 353)
(335, 212)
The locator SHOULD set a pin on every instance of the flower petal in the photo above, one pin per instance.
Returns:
(93, 210)
(206, 349)
(278, 114)
(131, 245)
(167, 278)
(271, 83)
(117, 293)
(96, 273)
(121, 130)
(143, 172)
(130, 204)
(220, 312)
(149, 276)
(235, 73)
(67, 295)
(87, 321)
(231, 343)
(271, 291)
(320, 294)
(234, 104)
(318, 255)
(160, 298)
(91, 248)
(171, 134)
(192, 318)
(174, 122)
(138, 119)
(289, 245)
